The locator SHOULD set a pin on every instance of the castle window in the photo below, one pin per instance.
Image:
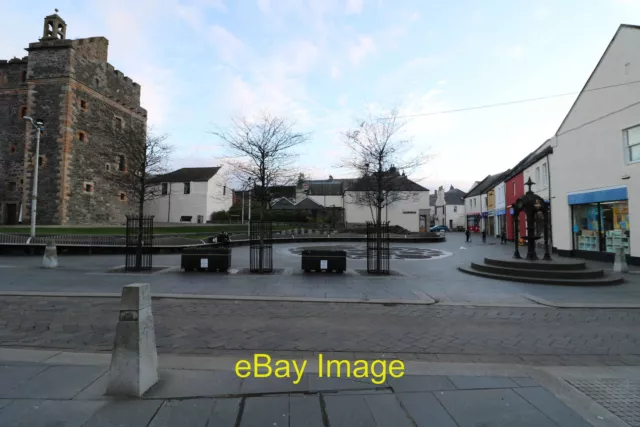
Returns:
(83, 105)
(12, 149)
(42, 162)
(23, 112)
(107, 167)
(123, 197)
(118, 124)
(23, 76)
(97, 82)
(122, 164)
(82, 136)
(11, 186)
(88, 187)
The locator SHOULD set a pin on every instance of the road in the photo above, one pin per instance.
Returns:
(451, 333)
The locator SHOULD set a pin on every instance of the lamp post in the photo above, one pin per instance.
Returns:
(242, 217)
(250, 181)
(39, 126)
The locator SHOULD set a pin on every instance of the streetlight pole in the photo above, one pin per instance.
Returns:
(242, 220)
(39, 126)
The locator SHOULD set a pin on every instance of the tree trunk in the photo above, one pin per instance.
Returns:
(139, 242)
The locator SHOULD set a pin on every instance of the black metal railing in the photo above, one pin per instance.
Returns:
(378, 248)
(261, 246)
(139, 243)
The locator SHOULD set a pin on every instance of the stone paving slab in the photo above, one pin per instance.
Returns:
(456, 333)
(619, 396)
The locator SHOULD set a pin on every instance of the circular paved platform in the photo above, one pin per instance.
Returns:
(360, 251)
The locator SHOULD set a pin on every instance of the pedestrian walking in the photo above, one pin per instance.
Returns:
(484, 236)
(503, 237)
(468, 234)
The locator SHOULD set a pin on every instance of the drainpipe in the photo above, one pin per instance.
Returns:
(169, 207)
(549, 184)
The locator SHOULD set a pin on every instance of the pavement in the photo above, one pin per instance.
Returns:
(52, 388)
(418, 281)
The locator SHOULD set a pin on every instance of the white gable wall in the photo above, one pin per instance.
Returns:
(405, 213)
(590, 156)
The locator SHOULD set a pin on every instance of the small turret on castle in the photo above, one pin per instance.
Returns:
(71, 87)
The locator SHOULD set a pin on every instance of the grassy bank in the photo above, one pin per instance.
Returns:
(202, 230)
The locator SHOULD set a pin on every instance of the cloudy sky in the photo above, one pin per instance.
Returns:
(323, 63)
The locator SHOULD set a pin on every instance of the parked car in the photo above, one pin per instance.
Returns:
(437, 228)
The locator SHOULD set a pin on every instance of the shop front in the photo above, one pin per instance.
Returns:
(491, 223)
(600, 220)
(473, 222)
(501, 221)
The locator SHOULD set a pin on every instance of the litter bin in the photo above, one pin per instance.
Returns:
(324, 260)
(206, 259)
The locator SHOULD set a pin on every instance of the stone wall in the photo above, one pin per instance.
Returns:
(13, 97)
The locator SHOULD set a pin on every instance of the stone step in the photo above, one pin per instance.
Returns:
(537, 265)
(531, 272)
(601, 281)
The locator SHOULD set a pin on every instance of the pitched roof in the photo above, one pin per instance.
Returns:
(326, 188)
(282, 204)
(575, 102)
(308, 204)
(401, 183)
(484, 185)
(288, 191)
(188, 175)
(530, 159)
(454, 196)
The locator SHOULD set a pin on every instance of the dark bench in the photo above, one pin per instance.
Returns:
(324, 260)
(206, 259)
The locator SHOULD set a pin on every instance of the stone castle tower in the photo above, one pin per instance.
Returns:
(70, 86)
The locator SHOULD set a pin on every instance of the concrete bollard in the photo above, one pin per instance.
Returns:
(134, 361)
(50, 259)
(620, 263)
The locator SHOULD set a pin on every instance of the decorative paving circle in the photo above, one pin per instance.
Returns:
(360, 251)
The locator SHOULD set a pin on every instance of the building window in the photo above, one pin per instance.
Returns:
(122, 166)
(11, 186)
(455, 208)
(88, 187)
(107, 167)
(23, 76)
(165, 188)
(632, 142)
(82, 136)
(224, 190)
(23, 112)
(187, 188)
(12, 149)
(42, 161)
(514, 188)
(83, 105)
(97, 81)
(123, 197)
(545, 176)
(538, 176)
(118, 124)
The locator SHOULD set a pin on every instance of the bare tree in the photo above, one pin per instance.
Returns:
(380, 156)
(139, 157)
(378, 153)
(261, 154)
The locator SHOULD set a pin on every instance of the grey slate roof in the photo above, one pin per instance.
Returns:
(485, 184)
(402, 184)
(188, 175)
(326, 188)
(454, 196)
(308, 204)
(283, 204)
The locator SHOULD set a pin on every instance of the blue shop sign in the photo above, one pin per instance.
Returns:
(485, 214)
(501, 211)
(604, 195)
(492, 212)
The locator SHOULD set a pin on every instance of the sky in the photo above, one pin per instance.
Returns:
(322, 64)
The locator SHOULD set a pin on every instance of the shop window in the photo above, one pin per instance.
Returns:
(632, 142)
(187, 188)
(614, 217)
(165, 188)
